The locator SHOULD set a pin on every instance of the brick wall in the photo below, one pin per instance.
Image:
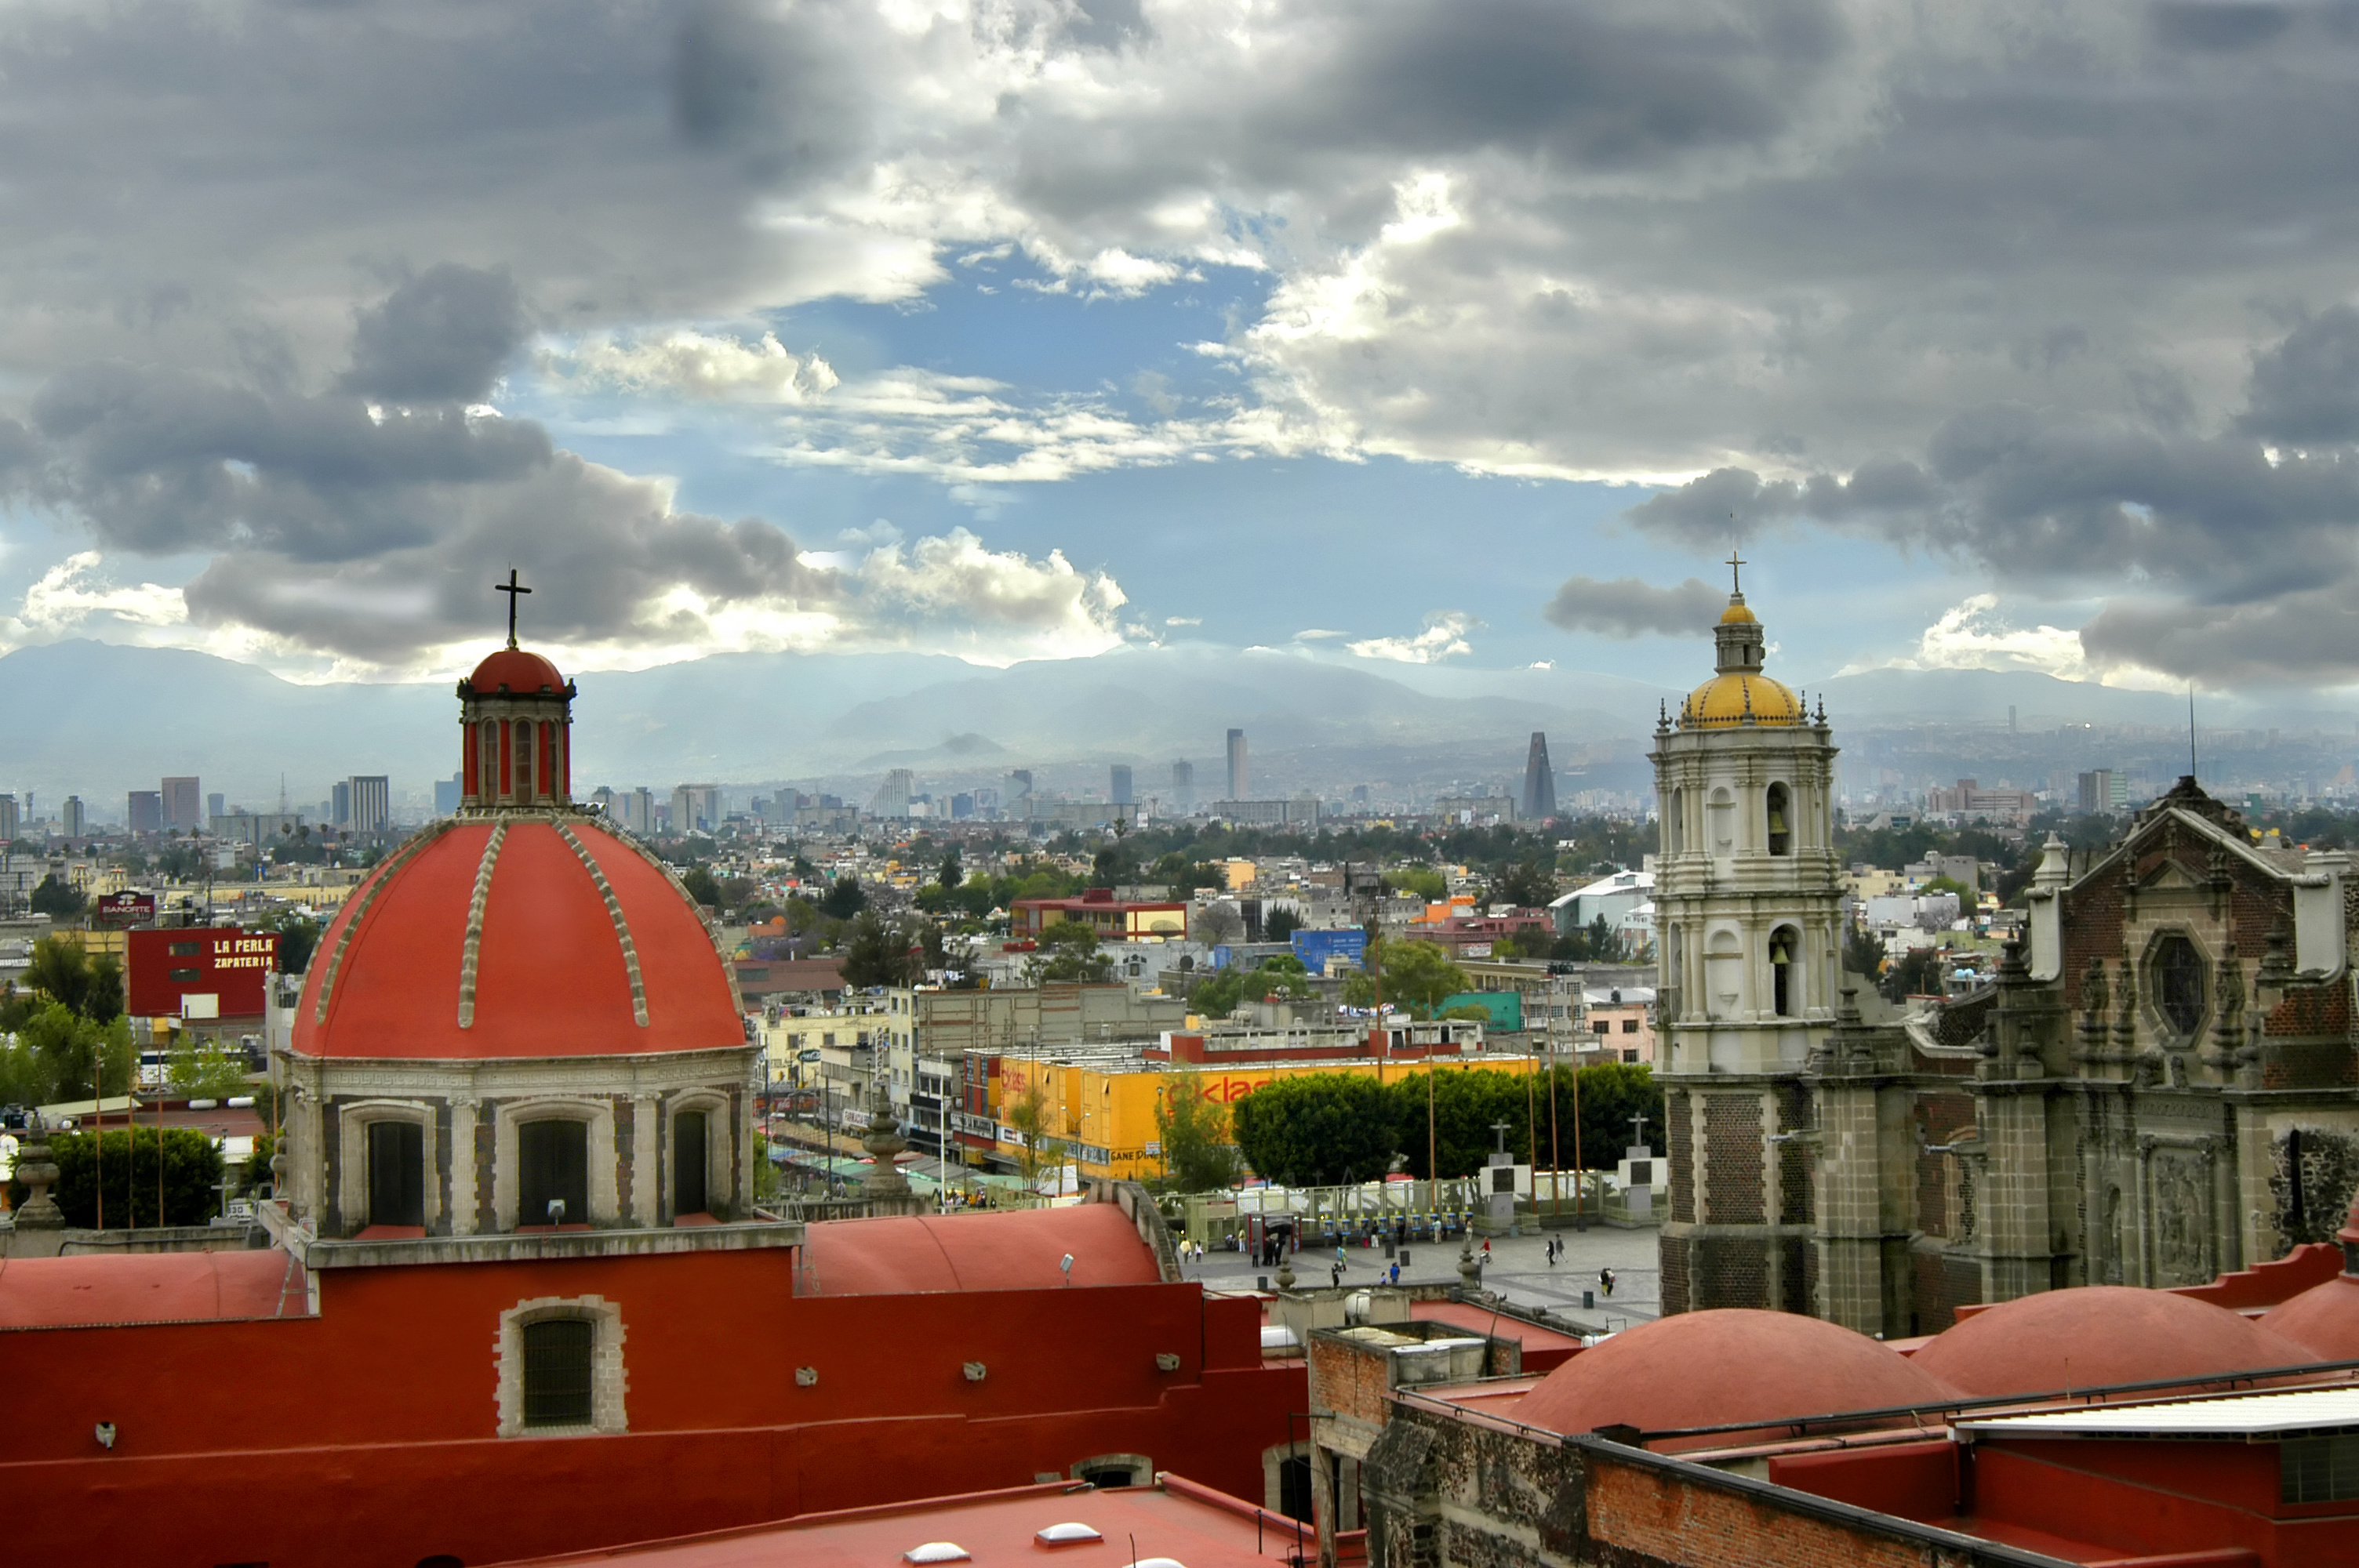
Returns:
(1796, 1112)
(1681, 1134)
(1735, 1188)
(1798, 1271)
(1672, 1253)
(1938, 1118)
(1943, 1285)
(1652, 1516)
(1730, 1272)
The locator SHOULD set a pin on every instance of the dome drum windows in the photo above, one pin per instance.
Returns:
(561, 1371)
(552, 1174)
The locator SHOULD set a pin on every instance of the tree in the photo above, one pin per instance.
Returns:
(701, 887)
(845, 898)
(1862, 954)
(61, 971)
(192, 1171)
(879, 953)
(1220, 924)
(204, 1071)
(1416, 976)
(1611, 1093)
(1602, 944)
(1465, 1105)
(1028, 1114)
(59, 901)
(1281, 924)
(1068, 951)
(75, 1054)
(1323, 1129)
(953, 872)
(1531, 884)
(299, 937)
(1198, 1156)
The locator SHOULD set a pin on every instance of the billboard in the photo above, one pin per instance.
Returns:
(1315, 948)
(126, 908)
(217, 971)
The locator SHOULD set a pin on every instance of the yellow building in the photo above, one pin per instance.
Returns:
(1104, 1112)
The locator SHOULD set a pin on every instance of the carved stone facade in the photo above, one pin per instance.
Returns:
(2161, 1083)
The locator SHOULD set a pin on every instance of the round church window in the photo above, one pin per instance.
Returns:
(2178, 970)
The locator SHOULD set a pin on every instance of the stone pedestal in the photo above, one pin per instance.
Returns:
(883, 1143)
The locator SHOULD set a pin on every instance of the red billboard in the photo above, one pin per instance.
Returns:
(126, 908)
(214, 971)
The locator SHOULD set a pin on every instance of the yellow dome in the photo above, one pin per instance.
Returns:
(1727, 700)
(1734, 613)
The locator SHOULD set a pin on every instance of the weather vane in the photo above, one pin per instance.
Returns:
(511, 590)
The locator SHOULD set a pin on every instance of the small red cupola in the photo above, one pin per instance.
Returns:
(515, 721)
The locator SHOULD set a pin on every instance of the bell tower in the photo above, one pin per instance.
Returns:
(516, 722)
(1748, 913)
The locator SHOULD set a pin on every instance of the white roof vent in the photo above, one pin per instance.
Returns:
(938, 1552)
(1159, 1562)
(1068, 1534)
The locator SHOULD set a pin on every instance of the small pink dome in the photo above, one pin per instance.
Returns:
(517, 670)
(2323, 1320)
(2095, 1335)
(1717, 1367)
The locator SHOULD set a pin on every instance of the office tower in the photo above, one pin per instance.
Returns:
(213, 805)
(147, 811)
(71, 820)
(182, 804)
(371, 802)
(1239, 780)
(695, 807)
(638, 810)
(340, 803)
(9, 823)
(1118, 783)
(448, 794)
(1183, 786)
(1540, 782)
(891, 798)
(1016, 798)
(962, 806)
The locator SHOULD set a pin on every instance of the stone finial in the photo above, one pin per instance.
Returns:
(1469, 1271)
(38, 1171)
(884, 1141)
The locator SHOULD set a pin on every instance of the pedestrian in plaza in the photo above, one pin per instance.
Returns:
(1486, 1249)
(1396, 1273)
(1606, 1279)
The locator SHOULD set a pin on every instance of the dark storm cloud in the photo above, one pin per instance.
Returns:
(783, 87)
(2220, 25)
(441, 337)
(2306, 389)
(2302, 637)
(1627, 607)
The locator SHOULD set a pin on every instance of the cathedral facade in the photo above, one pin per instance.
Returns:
(2161, 1085)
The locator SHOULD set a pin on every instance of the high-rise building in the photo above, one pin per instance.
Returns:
(1540, 782)
(1118, 783)
(340, 803)
(1015, 801)
(638, 810)
(371, 797)
(71, 818)
(9, 823)
(2102, 789)
(1240, 778)
(184, 804)
(215, 805)
(448, 794)
(1183, 784)
(147, 811)
(695, 807)
(892, 798)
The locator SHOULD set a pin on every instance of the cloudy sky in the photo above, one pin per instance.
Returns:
(1465, 332)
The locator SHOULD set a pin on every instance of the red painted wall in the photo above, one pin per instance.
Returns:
(1909, 1480)
(369, 1428)
(231, 964)
(2161, 1496)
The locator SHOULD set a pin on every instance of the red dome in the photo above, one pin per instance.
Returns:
(1716, 1368)
(2323, 1320)
(552, 973)
(517, 670)
(2095, 1335)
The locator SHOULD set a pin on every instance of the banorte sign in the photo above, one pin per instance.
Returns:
(126, 908)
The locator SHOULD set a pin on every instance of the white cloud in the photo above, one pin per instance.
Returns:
(1317, 634)
(692, 364)
(1444, 635)
(1973, 635)
(1184, 620)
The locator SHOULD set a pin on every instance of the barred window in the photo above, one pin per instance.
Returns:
(2179, 984)
(2318, 1469)
(557, 1389)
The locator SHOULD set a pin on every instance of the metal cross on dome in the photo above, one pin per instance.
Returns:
(1736, 573)
(511, 590)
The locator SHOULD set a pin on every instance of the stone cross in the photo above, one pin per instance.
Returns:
(1503, 1129)
(1638, 1132)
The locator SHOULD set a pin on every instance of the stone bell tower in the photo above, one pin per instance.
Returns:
(1748, 912)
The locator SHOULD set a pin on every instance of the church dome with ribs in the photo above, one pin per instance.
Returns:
(521, 928)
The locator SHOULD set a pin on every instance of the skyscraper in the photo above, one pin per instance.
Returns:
(1118, 783)
(1240, 780)
(8, 824)
(1540, 782)
(147, 811)
(1015, 803)
(183, 803)
(893, 795)
(1183, 784)
(340, 803)
(71, 818)
(371, 797)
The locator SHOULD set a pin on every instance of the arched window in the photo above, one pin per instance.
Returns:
(1785, 989)
(553, 1173)
(2177, 984)
(1723, 822)
(1780, 818)
(688, 1196)
(397, 1173)
(558, 1388)
(524, 759)
(1674, 827)
(487, 759)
